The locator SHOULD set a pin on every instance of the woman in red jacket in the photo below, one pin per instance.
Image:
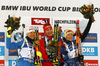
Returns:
(48, 35)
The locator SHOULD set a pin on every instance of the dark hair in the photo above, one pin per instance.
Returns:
(46, 24)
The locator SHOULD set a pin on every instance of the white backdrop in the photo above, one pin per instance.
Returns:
(48, 9)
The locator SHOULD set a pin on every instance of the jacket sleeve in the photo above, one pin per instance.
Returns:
(64, 53)
(86, 31)
(43, 50)
(60, 44)
(13, 45)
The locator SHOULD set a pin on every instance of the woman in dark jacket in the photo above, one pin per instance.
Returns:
(68, 50)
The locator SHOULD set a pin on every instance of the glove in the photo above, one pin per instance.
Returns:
(38, 53)
(9, 31)
(80, 57)
(52, 55)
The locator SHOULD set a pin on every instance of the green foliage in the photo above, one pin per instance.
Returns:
(53, 46)
(13, 22)
(87, 11)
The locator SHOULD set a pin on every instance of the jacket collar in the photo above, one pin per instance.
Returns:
(29, 39)
(49, 37)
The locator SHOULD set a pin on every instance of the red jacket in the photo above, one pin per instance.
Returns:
(43, 49)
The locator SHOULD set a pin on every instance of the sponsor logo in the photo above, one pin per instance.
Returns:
(2, 37)
(2, 50)
(91, 37)
(13, 53)
(90, 50)
(65, 21)
(12, 62)
(2, 63)
(91, 62)
(39, 21)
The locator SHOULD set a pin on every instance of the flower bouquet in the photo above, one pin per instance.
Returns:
(87, 11)
(53, 46)
(13, 22)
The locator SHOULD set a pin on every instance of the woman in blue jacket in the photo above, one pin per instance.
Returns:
(68, 50)
(26, 50)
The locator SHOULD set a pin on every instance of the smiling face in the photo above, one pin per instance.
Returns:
(49, 32)
(69, 37)
(31, 35)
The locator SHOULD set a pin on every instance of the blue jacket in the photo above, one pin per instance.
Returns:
(13, 45)
(63, 48)
(16, 45)
(64, 52)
